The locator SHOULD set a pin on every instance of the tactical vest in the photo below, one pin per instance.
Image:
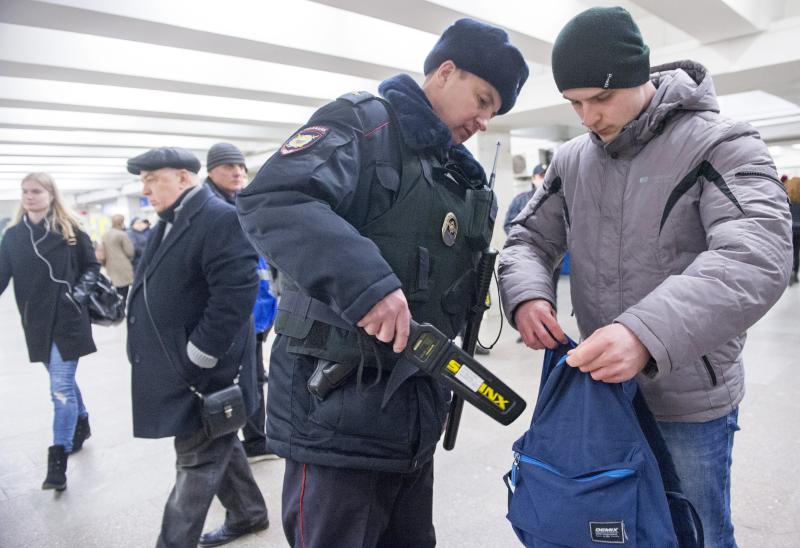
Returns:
(431, 237)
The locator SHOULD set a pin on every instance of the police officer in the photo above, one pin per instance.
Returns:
(375, 212)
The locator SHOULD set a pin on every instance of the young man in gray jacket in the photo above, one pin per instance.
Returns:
(679, 235)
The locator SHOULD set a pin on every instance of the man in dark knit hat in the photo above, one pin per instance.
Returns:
(225, 165)
(679, 241)
(190, 331)
(372, 210)
(227, 171)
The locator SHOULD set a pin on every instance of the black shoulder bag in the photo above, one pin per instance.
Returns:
(106, 306)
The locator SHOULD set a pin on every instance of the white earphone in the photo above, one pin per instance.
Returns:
(35, 243)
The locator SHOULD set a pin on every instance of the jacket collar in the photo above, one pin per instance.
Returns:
(155, 250)
(421, 129)
(680, 87)
(218, 191)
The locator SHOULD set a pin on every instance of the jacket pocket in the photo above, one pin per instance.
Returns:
(358, 412)
(598, 505)
(420, 275)
(712, 376)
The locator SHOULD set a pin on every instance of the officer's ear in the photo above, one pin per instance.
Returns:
(444, 72)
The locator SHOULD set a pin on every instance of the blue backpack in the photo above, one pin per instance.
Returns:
(585, 474)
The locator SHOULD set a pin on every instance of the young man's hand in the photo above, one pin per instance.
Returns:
(389, 320)
(611, 354)
(537, 324)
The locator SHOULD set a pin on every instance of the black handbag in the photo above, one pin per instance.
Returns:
(223, 411)
(106, 306)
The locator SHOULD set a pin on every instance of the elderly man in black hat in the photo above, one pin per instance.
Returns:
(190, 331)
(375, 212)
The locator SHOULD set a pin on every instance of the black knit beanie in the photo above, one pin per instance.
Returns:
(600, 48)
(486, 52)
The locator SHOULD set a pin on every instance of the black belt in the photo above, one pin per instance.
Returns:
(308, 307)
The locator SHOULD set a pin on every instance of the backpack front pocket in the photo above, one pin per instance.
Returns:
(550, 507)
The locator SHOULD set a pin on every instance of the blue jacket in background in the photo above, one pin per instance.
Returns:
(266, 304)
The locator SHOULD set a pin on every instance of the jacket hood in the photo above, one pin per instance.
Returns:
(680, 86)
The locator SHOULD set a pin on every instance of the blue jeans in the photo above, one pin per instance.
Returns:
(67, 400)
(702, 455)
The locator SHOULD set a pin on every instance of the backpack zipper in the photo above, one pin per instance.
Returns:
(613, 473)
(710, 370)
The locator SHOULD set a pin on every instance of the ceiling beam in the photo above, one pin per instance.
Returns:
(713, 20)
(438, 17)
(156, 22)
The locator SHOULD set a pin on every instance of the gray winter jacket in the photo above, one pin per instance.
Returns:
(678, 229)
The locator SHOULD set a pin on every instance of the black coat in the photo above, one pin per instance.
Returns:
(47, 314)
(201, 284)
(304, 211)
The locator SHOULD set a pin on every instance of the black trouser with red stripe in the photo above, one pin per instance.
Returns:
(325, 506)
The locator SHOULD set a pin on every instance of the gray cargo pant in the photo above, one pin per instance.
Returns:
(206, 468)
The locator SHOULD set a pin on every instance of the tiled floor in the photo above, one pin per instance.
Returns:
(118, 484)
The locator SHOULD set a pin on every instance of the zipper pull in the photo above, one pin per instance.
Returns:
(514, 468)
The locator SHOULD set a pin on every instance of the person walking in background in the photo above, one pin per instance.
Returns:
(679, 238)
(226, 169)
(116, 253)
(523, 198)
(138, 233)
(189, 320)
(53, 266)
(793, 190)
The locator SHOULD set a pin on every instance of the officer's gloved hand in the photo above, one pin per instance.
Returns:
(82, 289)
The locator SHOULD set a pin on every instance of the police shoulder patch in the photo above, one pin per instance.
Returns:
(304, 138)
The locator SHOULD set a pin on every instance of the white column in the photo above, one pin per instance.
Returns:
(484, 150)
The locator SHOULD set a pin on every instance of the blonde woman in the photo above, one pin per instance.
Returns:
(53, 265)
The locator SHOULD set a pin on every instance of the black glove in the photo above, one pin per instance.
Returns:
(82, 289)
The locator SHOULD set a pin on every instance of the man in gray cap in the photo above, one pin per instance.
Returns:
(375, 212)
(226, 170)
(679, 241)
(190, 331)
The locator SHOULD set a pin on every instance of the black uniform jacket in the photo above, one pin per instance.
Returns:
(48, 315)
(200, 283)
(304, 210)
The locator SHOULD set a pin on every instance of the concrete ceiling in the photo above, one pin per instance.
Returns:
(85, 84)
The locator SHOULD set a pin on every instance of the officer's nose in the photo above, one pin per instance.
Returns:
(483, 123)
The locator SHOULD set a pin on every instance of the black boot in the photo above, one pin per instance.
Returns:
(793, 279)
(56, 468)
(82, 433)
